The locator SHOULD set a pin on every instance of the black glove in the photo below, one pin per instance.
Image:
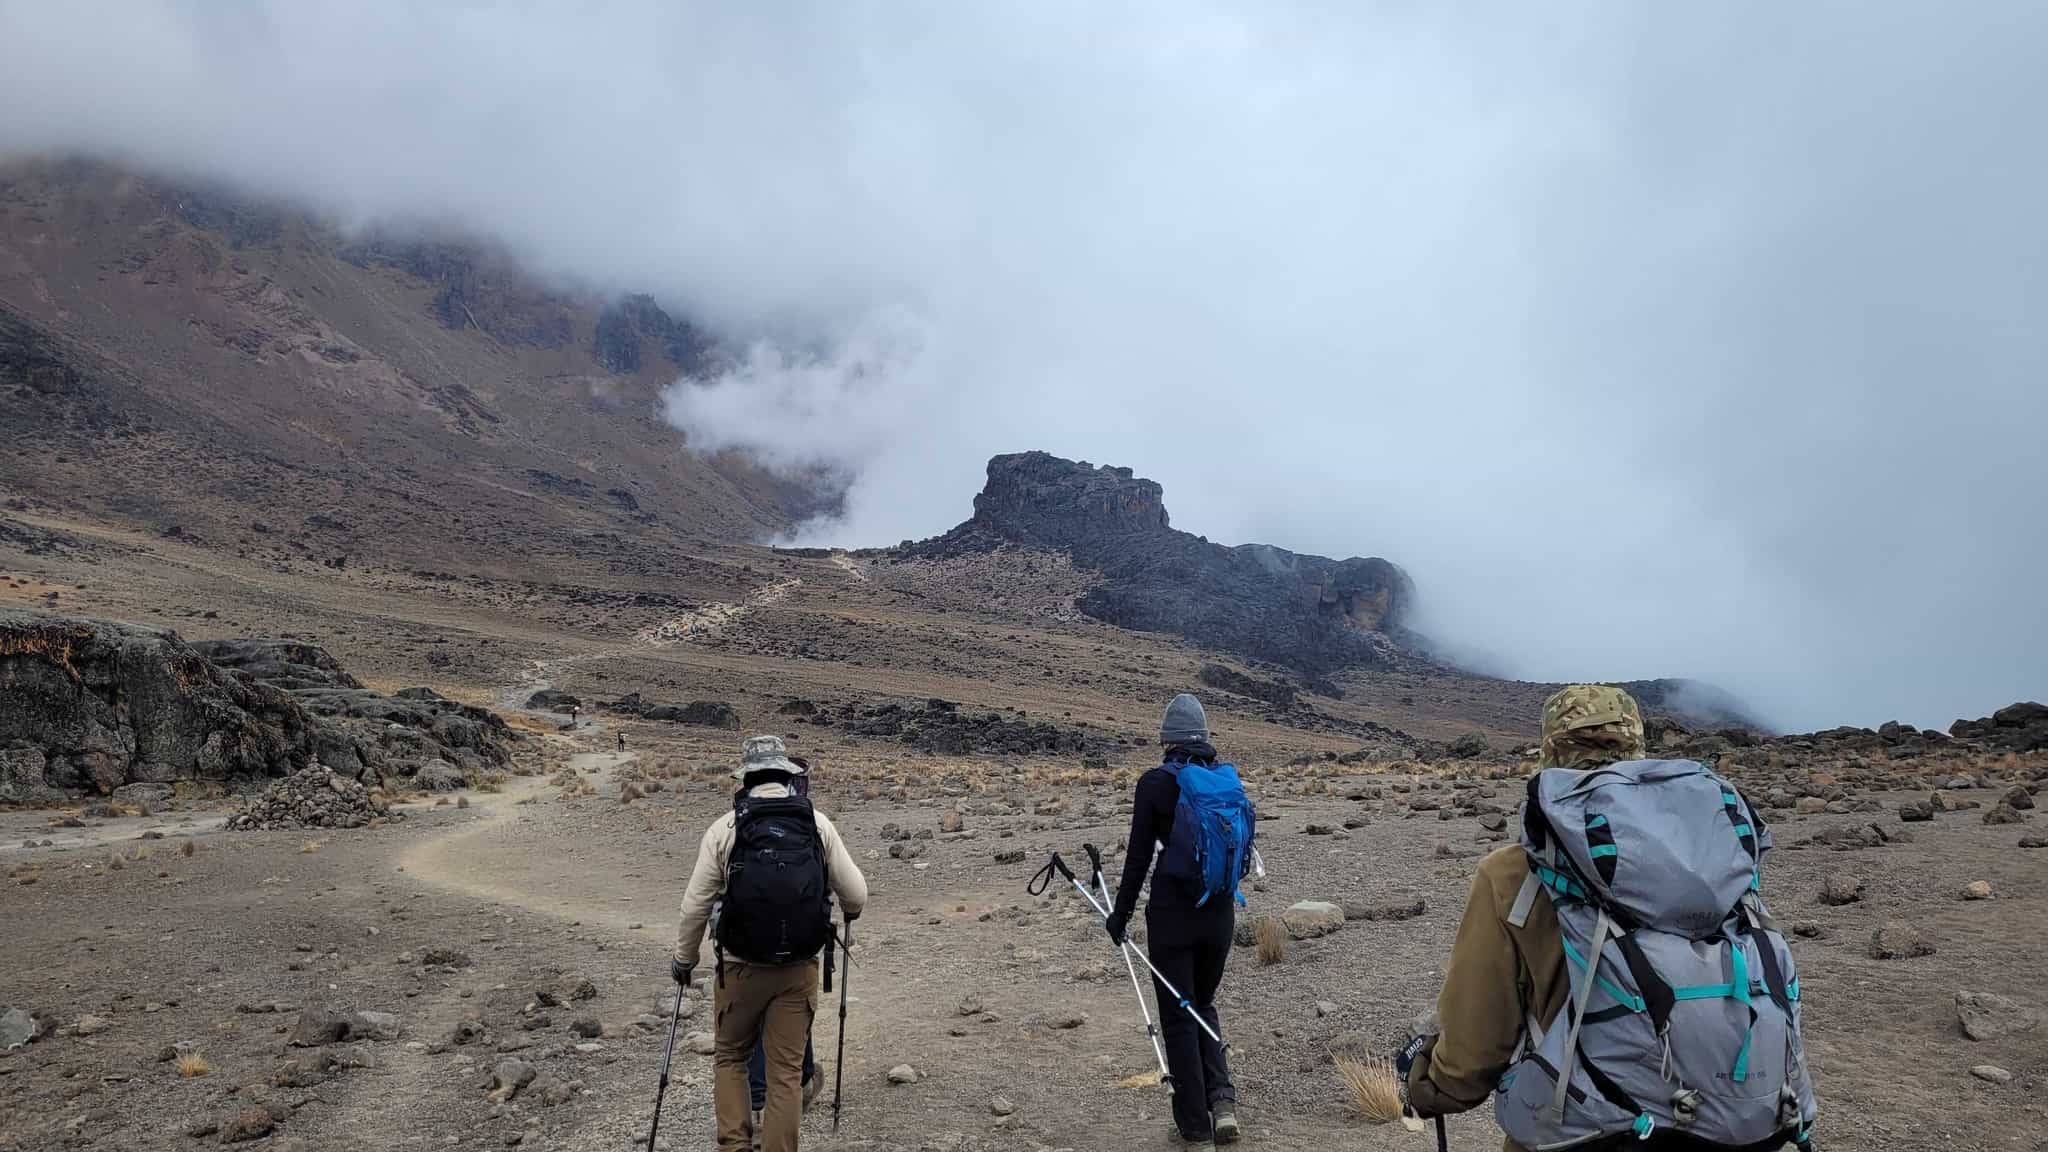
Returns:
(1405, 1058)
(680, 971)
(848, 916)
(1117, 925)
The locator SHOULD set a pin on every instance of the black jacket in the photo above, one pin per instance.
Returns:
(1151, 824)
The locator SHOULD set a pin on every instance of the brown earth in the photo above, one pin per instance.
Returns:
(532, 884)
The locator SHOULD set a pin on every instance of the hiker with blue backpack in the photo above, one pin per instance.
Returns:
(1193, 809)
(1616, 981)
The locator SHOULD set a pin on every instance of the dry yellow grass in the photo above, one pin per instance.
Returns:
(1271, 936)
(1371, 1088)
(309, 847)
(1141, 1080)
(114, 862)
(191, 1064)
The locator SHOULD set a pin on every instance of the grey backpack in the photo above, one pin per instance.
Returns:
(1682, 1024)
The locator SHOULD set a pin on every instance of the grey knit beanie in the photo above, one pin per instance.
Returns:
(1184, 722)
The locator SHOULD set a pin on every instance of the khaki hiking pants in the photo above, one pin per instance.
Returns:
(772, 1006)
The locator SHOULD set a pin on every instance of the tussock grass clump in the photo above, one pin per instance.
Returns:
(115, 863)
(630, 793)
(192, 1064)
(309, 847)
(1270, 935)
(187, 848)
(1371, 1087)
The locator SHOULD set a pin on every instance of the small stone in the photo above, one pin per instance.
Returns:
(17, 1028)
(2033, 842)
(1325, 1008)
(318, 1026)
(1841, 888)
(2017, 797)
(1011, 857)
(1977, 890)
(248, 1124)
(1991, 1074)
(903, 1074)
(1808, 930)
(701, 1043)
(1917, 812)
(1987, 1016)
(1317, 830)
(374, 1026)
(951, 821)
(1312, 918)
(586, 1027)
(1001, 1106)
(90, 1025)
(970, 1005)
(1898, 940)
(509, 1077)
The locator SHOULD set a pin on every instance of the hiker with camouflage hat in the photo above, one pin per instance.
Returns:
(1499, 974)
(770, 867)
(1188, 927)
(1673, 1020)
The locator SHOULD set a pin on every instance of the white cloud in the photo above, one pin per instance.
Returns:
(1652, 340)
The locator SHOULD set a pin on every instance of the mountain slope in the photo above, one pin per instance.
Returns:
(184, 359)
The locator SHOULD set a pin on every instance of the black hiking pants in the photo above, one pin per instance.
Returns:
(1190, 945)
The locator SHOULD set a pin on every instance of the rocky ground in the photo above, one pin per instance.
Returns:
(480, 967)
(490, 974)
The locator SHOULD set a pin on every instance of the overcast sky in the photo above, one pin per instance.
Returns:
(1653, 339)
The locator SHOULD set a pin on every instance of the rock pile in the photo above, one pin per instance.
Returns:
(703, 713)
(89, 706)
(314, 798)
(940, 726)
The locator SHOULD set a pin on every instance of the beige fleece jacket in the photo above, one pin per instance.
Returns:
(707, 880)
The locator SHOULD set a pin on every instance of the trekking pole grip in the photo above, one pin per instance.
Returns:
(1094, 861)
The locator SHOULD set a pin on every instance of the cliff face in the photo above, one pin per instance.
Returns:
(1307, 612)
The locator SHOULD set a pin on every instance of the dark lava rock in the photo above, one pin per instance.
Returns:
(703, 713)
(1306, 612)
(1277, 693)
(549, 700)
(90, 706)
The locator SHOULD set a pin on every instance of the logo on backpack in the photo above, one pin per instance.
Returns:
(777, 907)
(1210, 847)
(1683, 1007)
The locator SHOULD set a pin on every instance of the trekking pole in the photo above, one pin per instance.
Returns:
(667, 1054)
(839, 1065)
(1043, 880)
(1443, 1141)
(1151, 1029)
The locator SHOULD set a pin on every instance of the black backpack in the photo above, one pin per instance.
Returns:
(778, 907)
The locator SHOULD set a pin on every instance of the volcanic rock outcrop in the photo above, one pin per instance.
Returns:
(1307, 612)
(88, 706)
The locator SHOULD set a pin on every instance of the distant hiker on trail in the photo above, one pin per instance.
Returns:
(622, 741)
(1191, 914)
(771, 865)
(575, 715)
(1684, 1029)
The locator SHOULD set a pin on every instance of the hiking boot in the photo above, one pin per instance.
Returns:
(1223, 1115)
(812, 1088)
(1194, 1143)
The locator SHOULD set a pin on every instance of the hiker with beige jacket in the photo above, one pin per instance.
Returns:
(769, 870)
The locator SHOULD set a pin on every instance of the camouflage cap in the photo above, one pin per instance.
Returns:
(1591, 723)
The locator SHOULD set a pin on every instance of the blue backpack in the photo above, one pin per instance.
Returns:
(1213, 825)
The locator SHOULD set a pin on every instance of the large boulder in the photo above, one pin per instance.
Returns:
(92, 706)
(108, 704)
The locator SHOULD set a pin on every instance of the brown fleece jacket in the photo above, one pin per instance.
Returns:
(1499, 974)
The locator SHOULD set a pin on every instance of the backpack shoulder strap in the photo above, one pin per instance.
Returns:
(1525, 900)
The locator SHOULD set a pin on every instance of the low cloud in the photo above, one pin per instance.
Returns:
(1651, 340)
